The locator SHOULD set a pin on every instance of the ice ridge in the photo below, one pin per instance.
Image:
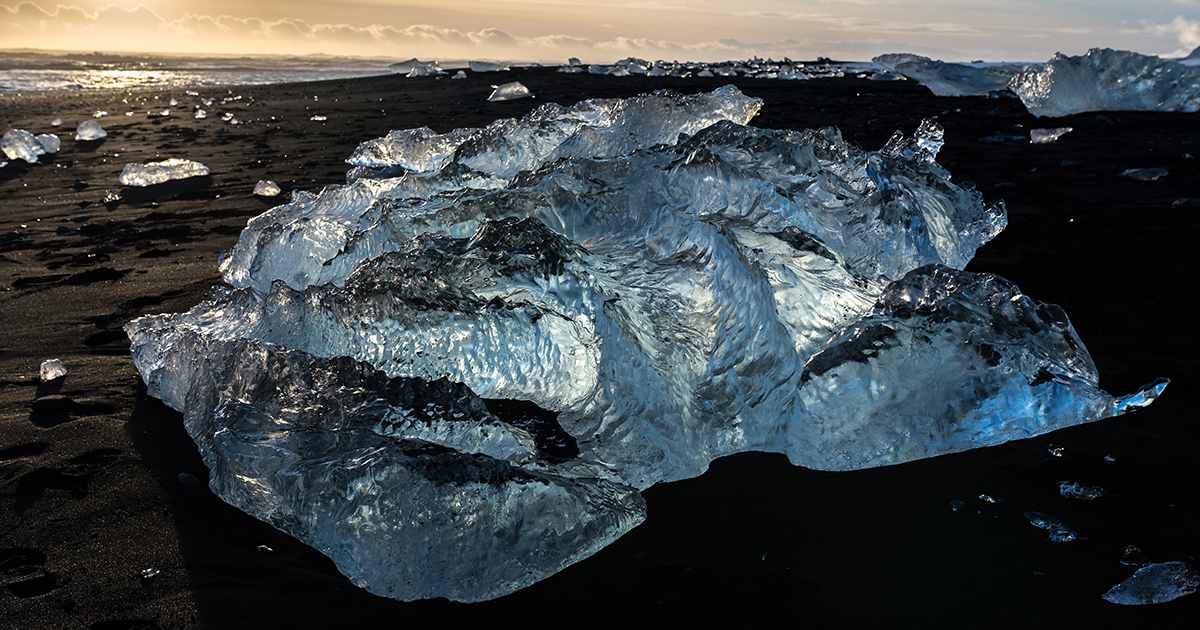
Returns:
(635, 288)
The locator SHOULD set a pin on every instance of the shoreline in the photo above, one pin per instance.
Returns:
(98, 482)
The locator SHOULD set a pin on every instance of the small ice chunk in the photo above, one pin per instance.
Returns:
(20, 144)
(165, 112)
(1144, 174)
(266, 188)
(149, 573)
(1155, 584)
(574, 61)
(1133, 557)
(1072, 490)
(56, 122)
(987, 499)
(99, 114)
(486, 66)
(406, 67)
(201, 114)
(52, 369)
(1046, 136)
(174, 103)
(459, 75)
(957, 505)
(159, 172)
(1058, 531)
(192, 93)
(509, 91)
(89, 130)
(112, 196)
(318, 118)
(50, 142)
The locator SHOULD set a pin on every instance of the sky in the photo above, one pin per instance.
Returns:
(602, 32)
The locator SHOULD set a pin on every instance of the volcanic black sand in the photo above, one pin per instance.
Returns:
(98, 482)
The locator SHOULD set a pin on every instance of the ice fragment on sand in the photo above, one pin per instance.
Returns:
(1073, 490)
(52, 369)
(459, 75)
(112, 196)
(1046, 136)
(318, 118)
(1058, 531)
(99, 114)
(159, 172)
(1144, 174)
(19, 144)
(1133, 557)
(509, 91)
(1106, 79)
(486, 66)
(637, 287)
(201, 114)
(266, 188)
(56, 122)
(405, 67)
(50, 142)
(89, 130)
(950, 79)
(1155, 584)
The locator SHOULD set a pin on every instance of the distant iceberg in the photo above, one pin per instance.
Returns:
(1106, 79)
(951, 79)
(455, 374)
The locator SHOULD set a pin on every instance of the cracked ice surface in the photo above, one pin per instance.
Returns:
(665, 283)
(1106, 79)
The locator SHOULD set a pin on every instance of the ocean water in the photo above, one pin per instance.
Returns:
(40, 72)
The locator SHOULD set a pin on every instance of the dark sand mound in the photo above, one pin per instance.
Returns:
(99, 483)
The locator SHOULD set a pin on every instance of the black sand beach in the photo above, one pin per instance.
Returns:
(98, 482)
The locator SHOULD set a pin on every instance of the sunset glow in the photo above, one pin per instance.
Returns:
(552, 30)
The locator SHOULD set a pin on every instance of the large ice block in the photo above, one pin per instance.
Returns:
(649, 280)
(951, 79)
(159, 172)
(1106, 79)
(19, 144)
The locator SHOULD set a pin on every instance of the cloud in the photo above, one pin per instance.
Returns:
(1185, 31)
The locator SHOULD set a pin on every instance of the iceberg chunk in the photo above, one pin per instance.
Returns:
(266, 188)
(647, 283)
(486, 66)
(1106, 79)
(1155, 584)
(19, 144)
(159, 172)
(950, 79)
(89, 130)
(406, 67)
(52, 369)
(50, 142)
(509, 91)
(1046, 136)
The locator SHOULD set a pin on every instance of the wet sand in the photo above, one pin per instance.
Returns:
(98, 482)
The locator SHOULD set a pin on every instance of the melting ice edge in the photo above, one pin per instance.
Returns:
(666, 284)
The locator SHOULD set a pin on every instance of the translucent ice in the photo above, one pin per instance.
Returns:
(636, 287)
(89, 130)
(266, 188)
(159, 172)
(1073, 490)
(950, 79)
(1155, 584)
(1058, 531)
(1046, 136)
(19, 144)
(509, 91)
(56, 122)
(486, 66)
(1144, 174)
(1106, 79)
(50, 142)
(459, 75)
(406, 67)
(52, 369)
